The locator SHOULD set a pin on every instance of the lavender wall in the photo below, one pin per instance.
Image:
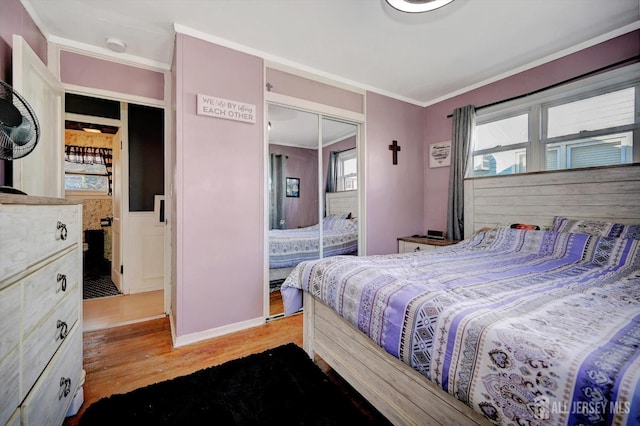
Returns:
(303, 88)
(394, 193)
(14, 19)
(437, 127)
(303, 164)
(87, 71)
(219, 190)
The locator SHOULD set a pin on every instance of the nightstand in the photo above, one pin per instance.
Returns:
(409, 244)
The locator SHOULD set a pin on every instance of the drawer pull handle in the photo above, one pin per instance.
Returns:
(62, 279)
(63, 329)
(65, 387)
(63, 230)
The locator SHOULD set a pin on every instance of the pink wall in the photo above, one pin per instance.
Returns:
(394, 193)
(303, 88)
(219, 190)
(437, 127)
(14, 19)
(86, 71)
(303, 164)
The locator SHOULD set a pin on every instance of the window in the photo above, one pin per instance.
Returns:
(500, 146)
(589, 123)
(86, 169)
(347, 170)
(85, 177)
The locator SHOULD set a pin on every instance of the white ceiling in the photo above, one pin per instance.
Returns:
(421, 58)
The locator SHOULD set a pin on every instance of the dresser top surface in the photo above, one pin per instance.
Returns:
(33, 200)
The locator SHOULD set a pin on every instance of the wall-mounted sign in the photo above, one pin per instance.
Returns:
(440, 154)
(225, 108)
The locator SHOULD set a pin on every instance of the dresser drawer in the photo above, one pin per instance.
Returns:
(48, 402)
(9, 390)
(10, 304)
(39, 346)
(47, 287)
(30, 233)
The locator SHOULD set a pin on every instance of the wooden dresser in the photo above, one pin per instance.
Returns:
(409, 244)
(40, 308)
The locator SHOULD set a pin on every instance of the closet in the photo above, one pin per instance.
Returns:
(312, 187)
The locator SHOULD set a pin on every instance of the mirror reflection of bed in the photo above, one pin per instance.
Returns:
(327, 189)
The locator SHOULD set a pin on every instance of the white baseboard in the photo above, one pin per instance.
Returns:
(188, 339)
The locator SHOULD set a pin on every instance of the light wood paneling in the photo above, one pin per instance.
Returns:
(607, 193)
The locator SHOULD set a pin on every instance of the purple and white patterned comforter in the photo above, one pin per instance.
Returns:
(288, 247)
(526, 327)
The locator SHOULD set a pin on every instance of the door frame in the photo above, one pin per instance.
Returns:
(54, 66)
(358, 119)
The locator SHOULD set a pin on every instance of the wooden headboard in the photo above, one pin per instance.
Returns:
(342, 202)
(602, 193)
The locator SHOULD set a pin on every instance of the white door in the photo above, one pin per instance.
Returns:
(41, 172)
(144, 265)
(116, 198)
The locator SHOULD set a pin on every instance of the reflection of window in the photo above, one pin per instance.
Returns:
(86, 169)
(347, 170)
(589, 123)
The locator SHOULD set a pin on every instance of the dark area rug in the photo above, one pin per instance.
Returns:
(281, 386)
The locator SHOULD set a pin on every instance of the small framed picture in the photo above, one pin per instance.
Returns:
(440, 154)
(293, 187)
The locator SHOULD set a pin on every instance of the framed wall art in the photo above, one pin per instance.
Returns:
(440, 154)
(293, 187)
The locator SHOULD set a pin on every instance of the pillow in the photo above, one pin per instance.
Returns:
(525, 226)
(598, 228)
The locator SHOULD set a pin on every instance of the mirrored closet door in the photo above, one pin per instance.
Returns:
(312, 187)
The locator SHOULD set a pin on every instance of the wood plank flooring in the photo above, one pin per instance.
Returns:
(121, 359)
(119, 310)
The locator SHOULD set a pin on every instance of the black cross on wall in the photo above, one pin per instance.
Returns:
(395, 148)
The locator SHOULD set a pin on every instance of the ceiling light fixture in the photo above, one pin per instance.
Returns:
(417, 6)
(115, 44)
(91, 130)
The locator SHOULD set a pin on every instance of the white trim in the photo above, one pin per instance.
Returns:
(187, 339)
(573, 49)
(289, 65)
(61, 43)
(325, 79)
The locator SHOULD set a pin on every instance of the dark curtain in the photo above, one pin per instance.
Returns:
(464, 121)
(332, 172)
(277, 191)
(91, 155)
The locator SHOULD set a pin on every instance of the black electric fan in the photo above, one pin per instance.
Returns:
(19, 127)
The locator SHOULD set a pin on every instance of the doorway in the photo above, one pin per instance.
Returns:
(123, 215)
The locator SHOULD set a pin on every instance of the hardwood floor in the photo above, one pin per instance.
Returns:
(121, 359)
(119, 310)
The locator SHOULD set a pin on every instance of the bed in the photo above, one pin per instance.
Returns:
(510, 326)
(288, 247)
